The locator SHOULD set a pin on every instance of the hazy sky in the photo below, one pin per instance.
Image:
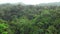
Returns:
(33, 2)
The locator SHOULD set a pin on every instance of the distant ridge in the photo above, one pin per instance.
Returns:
(50, 4)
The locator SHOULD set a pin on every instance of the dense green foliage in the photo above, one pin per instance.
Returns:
(29, 19)
(3, 27)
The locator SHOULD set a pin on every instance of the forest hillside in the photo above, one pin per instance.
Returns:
(30, 19)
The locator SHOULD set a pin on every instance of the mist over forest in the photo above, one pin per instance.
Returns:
(20, 18)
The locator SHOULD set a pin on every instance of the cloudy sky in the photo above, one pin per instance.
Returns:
(33, 2)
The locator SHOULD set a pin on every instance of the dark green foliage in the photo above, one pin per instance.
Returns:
(29, 19)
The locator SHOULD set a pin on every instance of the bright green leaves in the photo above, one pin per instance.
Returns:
(3, 28)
